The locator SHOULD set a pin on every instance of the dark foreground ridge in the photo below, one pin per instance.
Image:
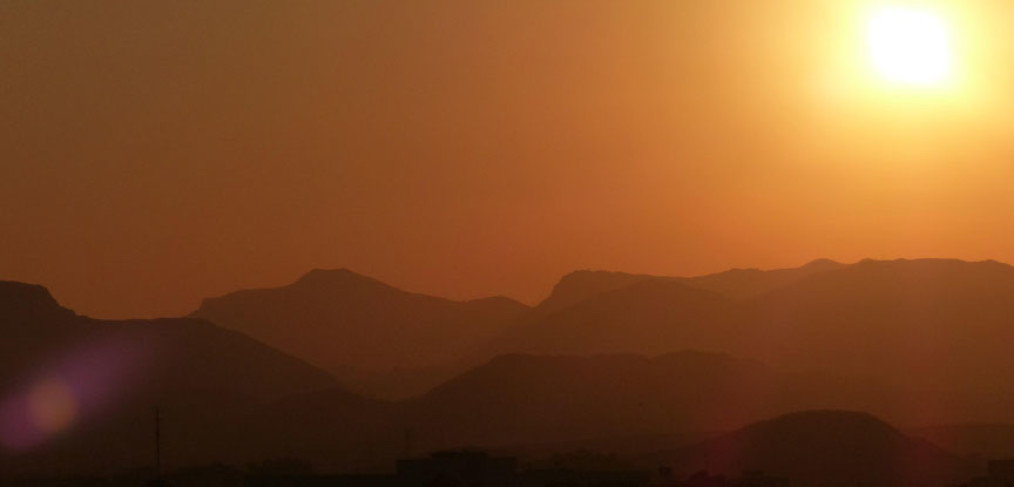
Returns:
(824, 448)
(615, 371)
(820, 448)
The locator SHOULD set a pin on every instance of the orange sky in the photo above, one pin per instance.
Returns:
(158, 152)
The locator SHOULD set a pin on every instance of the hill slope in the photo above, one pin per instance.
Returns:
(341, 320)
(525, 399)
(935, 326)
(823, 448)
(83, 390)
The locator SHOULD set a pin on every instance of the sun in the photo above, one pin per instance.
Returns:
(910, 46)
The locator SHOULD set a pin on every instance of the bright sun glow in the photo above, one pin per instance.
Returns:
(910, 46)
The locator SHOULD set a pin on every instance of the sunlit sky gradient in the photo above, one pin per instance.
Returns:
(158, 152)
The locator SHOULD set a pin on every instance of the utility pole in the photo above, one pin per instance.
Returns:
(158, 443)
(408, 443)
(157, 481)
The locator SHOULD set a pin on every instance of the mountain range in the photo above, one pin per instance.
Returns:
(932, 325)
(374, 336)
(348, 372)
(101, 380)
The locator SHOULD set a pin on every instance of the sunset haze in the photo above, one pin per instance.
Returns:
(158, 153)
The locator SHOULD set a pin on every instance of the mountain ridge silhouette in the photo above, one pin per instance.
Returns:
(373, 336)
(825, 335)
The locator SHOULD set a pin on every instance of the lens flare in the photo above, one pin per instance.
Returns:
(66, 392)
(52, 405)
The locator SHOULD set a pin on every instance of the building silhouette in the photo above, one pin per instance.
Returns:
(999, 473)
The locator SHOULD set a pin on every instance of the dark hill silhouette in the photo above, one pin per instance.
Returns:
(549, 404)
(517, 402)
(615, 312)
(20, 301)
(938, 326)
(174, 353)
(823, 448)
(748, 283)
(914, 341)
(978, 440)
(909, 309)
(650, 316)
(98, 381)
(525, 399)
(935, 326)
(578, 286)
(332, 429)
(351, 324)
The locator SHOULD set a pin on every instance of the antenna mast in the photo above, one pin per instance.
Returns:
(158, 442)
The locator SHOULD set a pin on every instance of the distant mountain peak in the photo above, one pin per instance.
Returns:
(821, 420)
(581, 284)
(337, 277)
(18, 299)
(341, 320)
(822, 263)
(928, 264)
(739, 282)
(340, 273)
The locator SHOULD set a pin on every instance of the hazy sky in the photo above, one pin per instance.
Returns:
(158, 152)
